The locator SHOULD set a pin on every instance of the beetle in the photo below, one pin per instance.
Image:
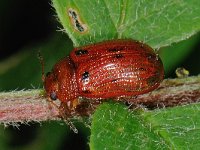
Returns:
(109, 69)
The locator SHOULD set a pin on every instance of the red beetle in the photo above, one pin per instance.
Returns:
(110, 69)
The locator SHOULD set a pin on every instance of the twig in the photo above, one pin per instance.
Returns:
(24, 106)
(172, 92)
(30, 105)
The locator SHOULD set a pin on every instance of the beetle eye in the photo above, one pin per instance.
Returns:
(81, 52)
(53, 96)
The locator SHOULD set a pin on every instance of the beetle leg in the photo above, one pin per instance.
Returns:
(52, 103)
(63, 115)
(66, 111)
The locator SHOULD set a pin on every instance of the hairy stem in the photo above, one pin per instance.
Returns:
(24, 106)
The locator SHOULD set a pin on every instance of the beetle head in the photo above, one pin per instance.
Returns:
(61, 82)
(51, 85)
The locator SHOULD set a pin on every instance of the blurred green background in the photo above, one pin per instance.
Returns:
(29, 26)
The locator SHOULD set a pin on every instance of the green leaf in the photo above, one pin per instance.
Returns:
(116, 127)
(92, 15)
(173, 55)
(178, 126)
(157, 23)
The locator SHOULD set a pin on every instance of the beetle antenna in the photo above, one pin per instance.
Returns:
(41, 59)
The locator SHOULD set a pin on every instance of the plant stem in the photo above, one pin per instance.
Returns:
(24, 106)
(172, 92)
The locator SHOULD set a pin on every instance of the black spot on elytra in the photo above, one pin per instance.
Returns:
(152, 80)
(87, 92)
(118, 56)
(114, 80)
(142, 45)
(112, 50)
(85, 75)
(142, 69)
(115, 49)
(81, 52)
(151, 57)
